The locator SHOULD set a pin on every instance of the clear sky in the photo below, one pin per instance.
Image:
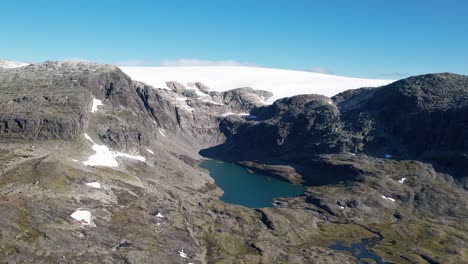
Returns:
(361, 38)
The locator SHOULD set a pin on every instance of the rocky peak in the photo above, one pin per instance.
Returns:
(176, 86)
(295, 105)
(200, 86)
(430, 92)
(246, 98)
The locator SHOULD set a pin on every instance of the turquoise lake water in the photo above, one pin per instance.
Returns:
(248, 189)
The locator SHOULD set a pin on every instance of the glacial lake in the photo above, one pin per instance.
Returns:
(248, 189)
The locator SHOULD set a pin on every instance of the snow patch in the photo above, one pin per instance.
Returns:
(283, 83)
(388, 156)
(238, 114)
(402, 180)
(96, 103)
(200, 93)
(105, 157)
(11, 64)
(210, 101)
(187, 108)
(150, 151)
(83, 216)
(159, 215)
(183, 254)
(262, 100)
(96, 185)
(161, 131)
(388, 198)
(182, 103)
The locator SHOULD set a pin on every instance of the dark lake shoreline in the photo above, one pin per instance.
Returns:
(246, 188)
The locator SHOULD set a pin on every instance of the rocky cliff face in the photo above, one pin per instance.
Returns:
(420, 118)
(66, 126)
(53, 101)
(423, 117)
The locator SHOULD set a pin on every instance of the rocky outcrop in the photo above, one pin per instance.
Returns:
(422, 118)
(245, 99)
(53, 100)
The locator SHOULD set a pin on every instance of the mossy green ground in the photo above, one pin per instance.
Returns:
(406, 243)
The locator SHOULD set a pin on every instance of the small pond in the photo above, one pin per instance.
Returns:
(248, 189)
(359, 250)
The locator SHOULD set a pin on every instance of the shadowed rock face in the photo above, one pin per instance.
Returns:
(156, 208)
(424, 113)
(423, 118)
(294, 127)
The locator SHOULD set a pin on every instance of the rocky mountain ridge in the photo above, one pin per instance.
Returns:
(158, 206)
(420, 118)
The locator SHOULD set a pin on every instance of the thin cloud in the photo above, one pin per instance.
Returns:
(135, 63)
(320, 70)
(196, 62)
(393, 74)
(183, 62)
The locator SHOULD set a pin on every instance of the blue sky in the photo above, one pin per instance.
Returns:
(376, 39)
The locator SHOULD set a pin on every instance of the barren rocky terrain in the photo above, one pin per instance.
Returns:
(388, 163)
